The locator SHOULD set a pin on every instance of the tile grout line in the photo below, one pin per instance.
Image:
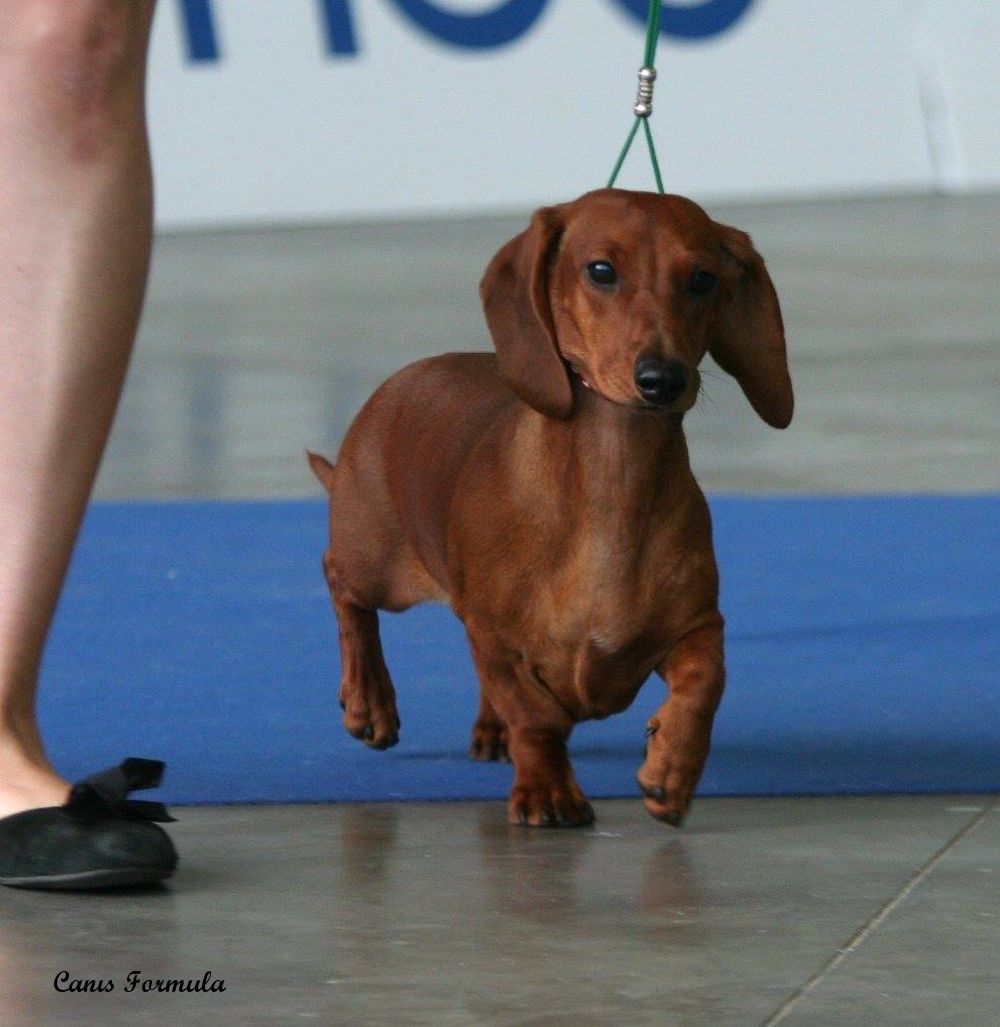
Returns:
(869, 928)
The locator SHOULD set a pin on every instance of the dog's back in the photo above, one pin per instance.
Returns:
(395, 475)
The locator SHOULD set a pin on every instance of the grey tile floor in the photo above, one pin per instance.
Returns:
(799, 911)
(844, 911)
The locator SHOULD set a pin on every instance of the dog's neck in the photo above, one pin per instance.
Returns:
(613, 459)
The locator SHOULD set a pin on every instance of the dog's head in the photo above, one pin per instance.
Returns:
(629, 291)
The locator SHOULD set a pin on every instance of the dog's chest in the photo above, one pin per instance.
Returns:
(615, 587)
(584, 563)
(594, 645)
(601, 603)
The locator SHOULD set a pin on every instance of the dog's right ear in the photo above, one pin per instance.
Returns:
(514, 291)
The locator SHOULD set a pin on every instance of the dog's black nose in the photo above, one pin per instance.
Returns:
(660, 381)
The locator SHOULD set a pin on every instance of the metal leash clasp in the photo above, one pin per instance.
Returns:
(644, 101)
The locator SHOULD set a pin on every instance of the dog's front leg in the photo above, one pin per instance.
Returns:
(678, 736)
(545, 792)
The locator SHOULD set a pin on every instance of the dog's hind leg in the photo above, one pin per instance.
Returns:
(489, 736)
(366, 693)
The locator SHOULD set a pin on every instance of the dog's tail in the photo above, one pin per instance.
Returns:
(322, 468)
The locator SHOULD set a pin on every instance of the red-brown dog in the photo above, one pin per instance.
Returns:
(546, 493)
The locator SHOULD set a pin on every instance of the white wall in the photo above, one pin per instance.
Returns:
(958, 57)
(796, 98)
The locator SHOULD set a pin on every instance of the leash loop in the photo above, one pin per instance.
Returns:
(644, 100)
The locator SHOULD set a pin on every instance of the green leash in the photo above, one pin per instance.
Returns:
(644, 102)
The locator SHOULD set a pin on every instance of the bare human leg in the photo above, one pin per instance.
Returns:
(75, 231)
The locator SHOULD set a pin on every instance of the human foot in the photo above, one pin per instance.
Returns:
(98, 838)
(25, 786)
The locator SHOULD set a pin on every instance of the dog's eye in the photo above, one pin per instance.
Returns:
(600, 272)
(701, 282)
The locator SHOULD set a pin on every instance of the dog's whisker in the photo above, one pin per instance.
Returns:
(704, 398)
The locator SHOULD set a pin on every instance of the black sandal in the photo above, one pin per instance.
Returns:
(98, 839)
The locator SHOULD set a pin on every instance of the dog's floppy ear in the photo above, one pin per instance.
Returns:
(514, 291)
(750, 342)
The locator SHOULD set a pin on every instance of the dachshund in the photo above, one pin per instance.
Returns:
(545, 493)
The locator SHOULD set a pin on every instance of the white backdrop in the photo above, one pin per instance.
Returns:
(795, 98)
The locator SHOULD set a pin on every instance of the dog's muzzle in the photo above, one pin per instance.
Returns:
(660, 382)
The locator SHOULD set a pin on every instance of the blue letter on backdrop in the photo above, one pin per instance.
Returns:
(502, 24)
(340, 38)
(505, 23)
(203, 41)
(199, 30)
(692, 21)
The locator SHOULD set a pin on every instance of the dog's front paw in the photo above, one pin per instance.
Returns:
(670, 773)
(489, 742)
(553, 805)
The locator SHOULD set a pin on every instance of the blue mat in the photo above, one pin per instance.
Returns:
(863, 645)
